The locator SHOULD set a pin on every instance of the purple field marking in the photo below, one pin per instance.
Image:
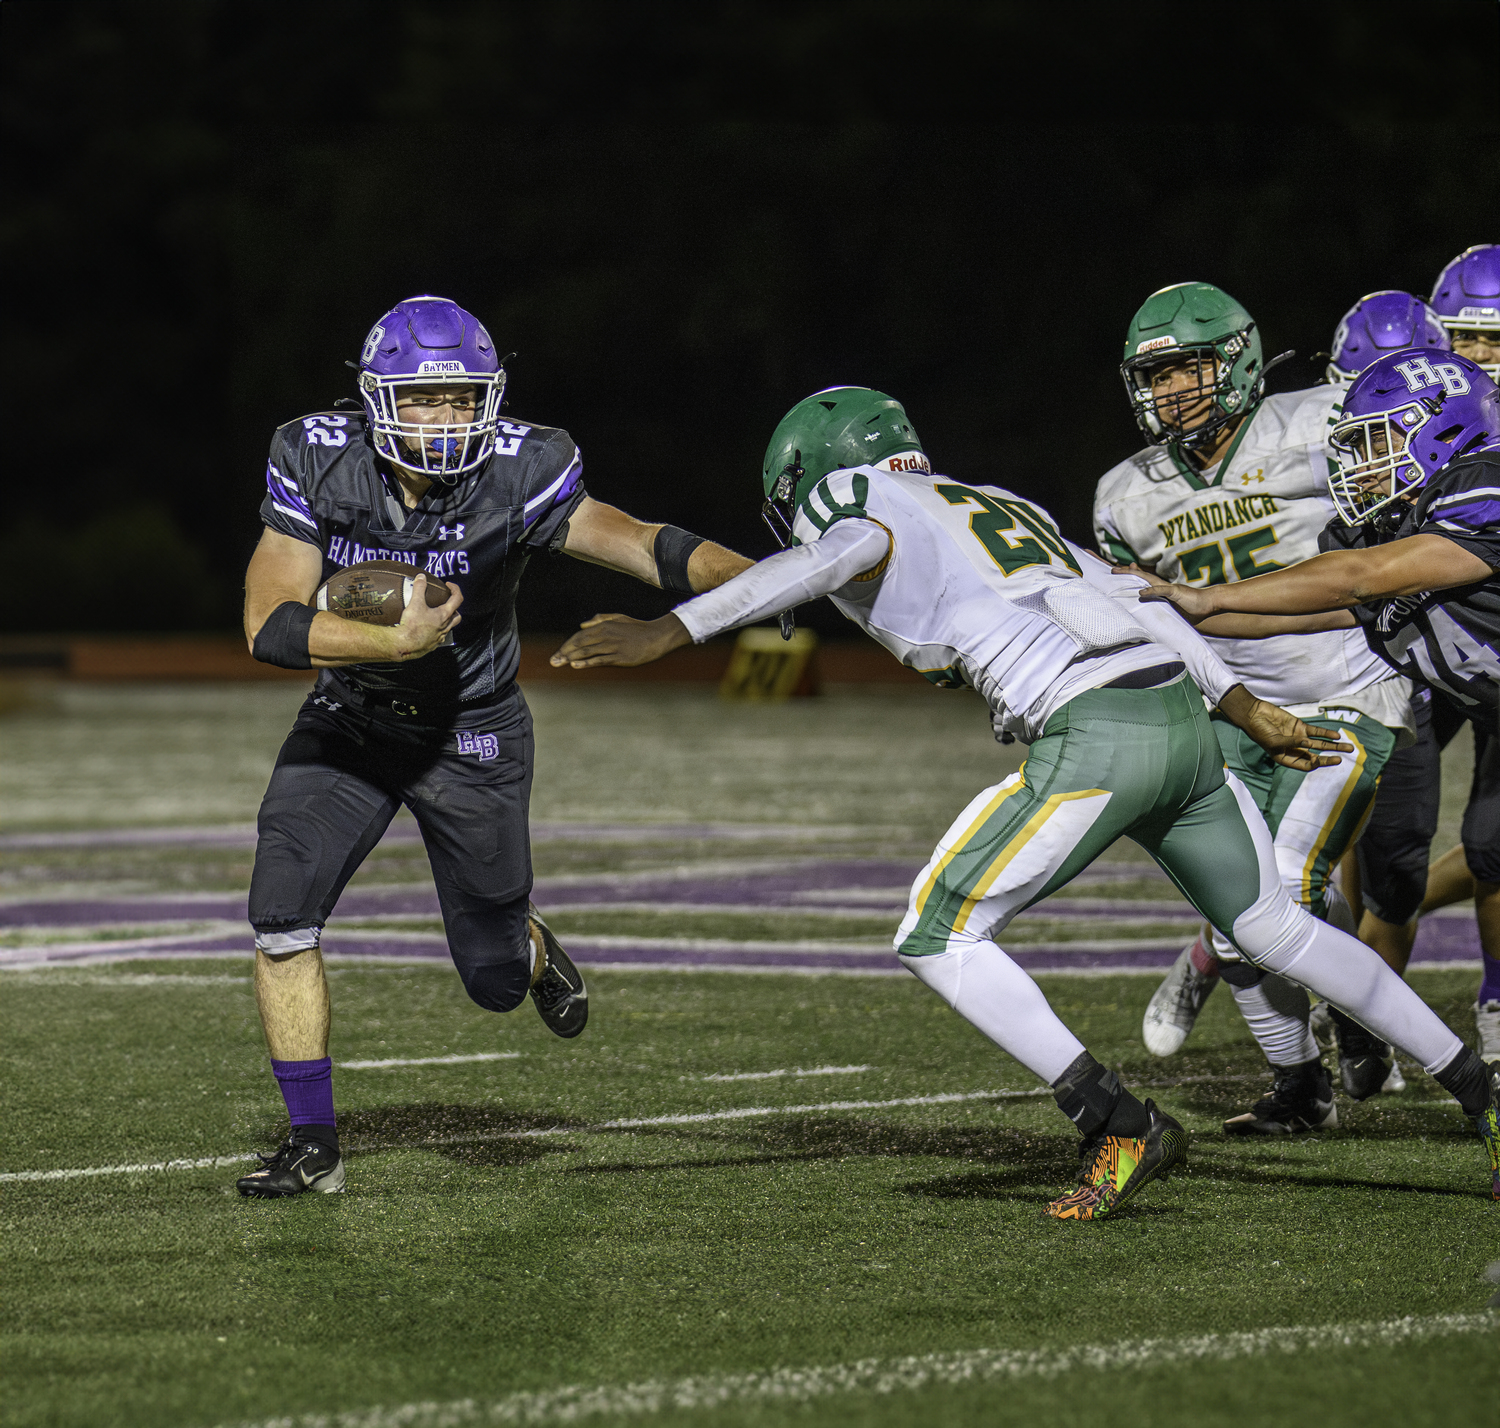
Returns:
(1439, 941)
(375, 902)
(404, 830)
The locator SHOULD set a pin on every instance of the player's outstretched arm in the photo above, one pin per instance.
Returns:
(621, 640)
(285, 571)
(665, 556)
(849, 548)
(1251, 627)
(1335, 580)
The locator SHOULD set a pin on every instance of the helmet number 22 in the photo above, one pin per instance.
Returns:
(998, 526)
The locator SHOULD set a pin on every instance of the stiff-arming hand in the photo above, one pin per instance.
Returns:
(620, 640)
(1192, 604)
(1284, 736)
(1150, 576)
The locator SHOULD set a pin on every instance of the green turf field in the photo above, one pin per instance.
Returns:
(758, 1199)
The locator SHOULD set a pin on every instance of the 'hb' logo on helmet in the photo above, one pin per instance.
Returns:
(1420, 374)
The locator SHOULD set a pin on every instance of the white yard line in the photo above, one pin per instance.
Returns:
(426, 1060)
(209, 1162)
(887, 1376)
(789, 1071)
(694, 1118)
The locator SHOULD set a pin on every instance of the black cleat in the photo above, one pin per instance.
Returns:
(1301, 1100)
(1363, 1057)
(293, 1168)
(557, 985)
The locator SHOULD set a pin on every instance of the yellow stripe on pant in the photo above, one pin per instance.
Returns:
(962, 878)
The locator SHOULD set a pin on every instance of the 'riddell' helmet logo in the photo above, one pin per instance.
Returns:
(1154, 343)
(905, 461)
(1421, 374)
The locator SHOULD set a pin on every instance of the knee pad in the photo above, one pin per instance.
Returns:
(286, 944)
(1336, 910)
(498, 986)
(1273, 931)
(941, 971)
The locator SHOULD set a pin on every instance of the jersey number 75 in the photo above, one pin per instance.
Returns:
(998, 526)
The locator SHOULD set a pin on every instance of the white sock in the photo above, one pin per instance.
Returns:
(1276, 1012)
(986, 988)
(1282, 936)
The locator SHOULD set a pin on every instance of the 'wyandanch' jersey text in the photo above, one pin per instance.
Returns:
(1260, 509)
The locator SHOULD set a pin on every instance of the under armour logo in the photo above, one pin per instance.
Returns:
(1247, 478)
(451, 532)
(329, 704)
(1421, 374)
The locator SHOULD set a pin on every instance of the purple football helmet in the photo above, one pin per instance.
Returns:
(1466, 296)
(1379, 323)
(1404, 418)
(431, 342)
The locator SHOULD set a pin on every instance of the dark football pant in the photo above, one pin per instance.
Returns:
(339, 780)
(1397, 841)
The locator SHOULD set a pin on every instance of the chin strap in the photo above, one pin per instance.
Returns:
(778, 511)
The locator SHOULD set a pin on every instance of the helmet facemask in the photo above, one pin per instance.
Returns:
(1210, 393)
(780, 507)
(1376, 463)
(440, 452)
(1477, 325)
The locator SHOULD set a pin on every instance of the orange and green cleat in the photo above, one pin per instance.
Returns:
(1487, 1123)
(1120, 1167)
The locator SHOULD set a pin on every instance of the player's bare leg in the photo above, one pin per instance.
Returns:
(292, 994)
(291, 990)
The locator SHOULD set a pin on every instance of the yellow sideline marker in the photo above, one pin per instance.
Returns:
(765, 669)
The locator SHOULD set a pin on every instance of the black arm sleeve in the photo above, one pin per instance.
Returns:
(673, 549)
(283, 638)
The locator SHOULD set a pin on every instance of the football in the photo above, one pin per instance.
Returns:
(375, 592)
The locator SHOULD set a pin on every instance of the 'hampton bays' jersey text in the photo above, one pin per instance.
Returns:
(325, 487)
(1448, 638)
(1261, 508)
(978, 588)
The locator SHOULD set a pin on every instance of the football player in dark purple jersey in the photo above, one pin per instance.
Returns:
(425, 713)
(1415, 561)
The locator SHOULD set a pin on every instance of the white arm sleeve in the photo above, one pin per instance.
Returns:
(790, 577)
(1162, 622)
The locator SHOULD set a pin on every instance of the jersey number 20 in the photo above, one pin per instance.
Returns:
(998, 524)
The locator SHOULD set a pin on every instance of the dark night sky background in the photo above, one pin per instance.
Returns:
(683, 218)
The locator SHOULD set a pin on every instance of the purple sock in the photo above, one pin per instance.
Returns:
(1489, 988)
(307, 1089)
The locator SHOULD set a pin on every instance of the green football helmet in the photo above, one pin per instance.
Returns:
(841, 426)
(1203, 327)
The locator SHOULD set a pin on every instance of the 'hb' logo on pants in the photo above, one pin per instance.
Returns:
(483, 746)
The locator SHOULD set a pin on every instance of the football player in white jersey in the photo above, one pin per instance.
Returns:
(1233, 485)
(972, 585)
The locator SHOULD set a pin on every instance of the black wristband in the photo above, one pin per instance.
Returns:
(674, 547)
(283, 638)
